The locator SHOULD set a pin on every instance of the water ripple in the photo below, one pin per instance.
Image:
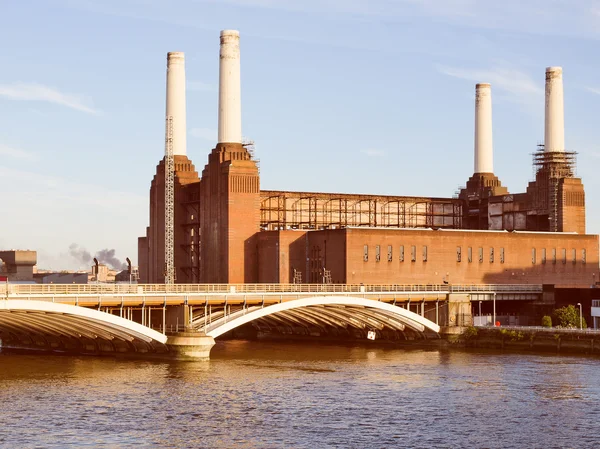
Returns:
(272, 395)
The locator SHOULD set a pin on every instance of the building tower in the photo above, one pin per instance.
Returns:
(230, 187)
(483, 184)
(556, 194)
(169, 217)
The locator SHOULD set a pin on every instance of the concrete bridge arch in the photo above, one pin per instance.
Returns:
(321, 311)
(53, 326)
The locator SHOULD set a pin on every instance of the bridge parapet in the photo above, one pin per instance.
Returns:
(156, 289)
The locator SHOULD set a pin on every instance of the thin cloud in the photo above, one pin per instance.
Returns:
(593, 90)
(542, 17)
(16, 153)
(204, 133)
(39, 92)
(518, 84)
(372, 152)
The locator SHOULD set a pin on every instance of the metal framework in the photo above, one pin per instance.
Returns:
(190, 268)
(320, 311)
(169, 204)
(551, 167)
(311, 211)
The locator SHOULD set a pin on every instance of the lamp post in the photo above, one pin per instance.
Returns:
(580, 317)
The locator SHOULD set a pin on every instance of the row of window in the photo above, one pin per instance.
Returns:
(390, 256)
(413, 254)
(563, 255)
(481, 255)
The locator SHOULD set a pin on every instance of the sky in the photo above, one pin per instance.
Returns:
(356, 96)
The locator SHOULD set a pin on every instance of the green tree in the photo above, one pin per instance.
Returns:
(547, 321)
(568, 317)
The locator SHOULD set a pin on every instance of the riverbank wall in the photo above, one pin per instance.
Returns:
(536, 339)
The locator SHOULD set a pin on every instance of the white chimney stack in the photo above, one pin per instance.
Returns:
(230, 107)
(484, 157)
(176, 100)
(554, 138)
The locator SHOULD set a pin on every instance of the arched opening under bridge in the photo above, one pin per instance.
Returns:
(335, 316)
(44, 325)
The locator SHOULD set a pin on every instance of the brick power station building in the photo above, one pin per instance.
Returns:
(227, 230)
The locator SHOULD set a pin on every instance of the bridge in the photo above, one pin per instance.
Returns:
(184, 319)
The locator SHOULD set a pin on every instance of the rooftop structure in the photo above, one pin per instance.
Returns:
(227, 230)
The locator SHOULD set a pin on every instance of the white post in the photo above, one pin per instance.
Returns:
(230, 105)
(554, 133)
(176, 100)
(484, 159)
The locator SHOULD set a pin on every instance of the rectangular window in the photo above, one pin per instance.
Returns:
(501, 255)
(574, 255)
(583, 256)
(543, 255)
(366, 253)
(458, 253)
(413, 253)
(533, 256)
(470, 254)
(377, 253)
(553, 255)
(480, 255)
(390, 258)
(564, 255)
(491, 255)
(424, 254)
(402, 253)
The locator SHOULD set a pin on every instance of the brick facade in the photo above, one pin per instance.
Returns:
(219, 239)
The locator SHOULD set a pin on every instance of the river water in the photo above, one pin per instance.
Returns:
(292, 395)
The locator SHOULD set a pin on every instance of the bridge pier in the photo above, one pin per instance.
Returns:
(190, 345)
(458, 313)
(183, 341)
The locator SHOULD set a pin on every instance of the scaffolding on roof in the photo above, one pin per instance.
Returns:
(550, 167)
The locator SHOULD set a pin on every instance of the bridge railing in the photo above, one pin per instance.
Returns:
(143, 289)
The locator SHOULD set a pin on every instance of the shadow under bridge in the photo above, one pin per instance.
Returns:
(45, 325)
(357, 316)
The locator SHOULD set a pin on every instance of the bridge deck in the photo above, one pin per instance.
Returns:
(132, 295)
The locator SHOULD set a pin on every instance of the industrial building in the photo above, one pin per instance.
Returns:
(217, 226)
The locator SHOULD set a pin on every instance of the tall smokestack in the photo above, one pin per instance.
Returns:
(484, 154)
(230, 107)
(176, 100)
(554, 138)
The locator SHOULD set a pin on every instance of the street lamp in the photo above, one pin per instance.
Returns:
(580, 317)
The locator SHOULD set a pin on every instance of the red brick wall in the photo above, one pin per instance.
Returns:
(268, 257)
(143, 259)
(292, 255)
(326, 249)
(442, 257)
(571, 207)
(230, 216)
(154, 263)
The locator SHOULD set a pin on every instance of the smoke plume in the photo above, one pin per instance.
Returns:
(80, 254)
(107, 256)
(104, 256)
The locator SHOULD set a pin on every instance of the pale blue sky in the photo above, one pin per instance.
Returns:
(367, 96)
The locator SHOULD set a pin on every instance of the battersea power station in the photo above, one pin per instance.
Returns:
(217, 226)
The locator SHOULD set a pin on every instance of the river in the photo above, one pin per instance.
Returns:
(255, 394)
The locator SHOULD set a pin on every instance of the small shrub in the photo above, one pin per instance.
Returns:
(547, 321)
(470, 333)
(568, 317)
